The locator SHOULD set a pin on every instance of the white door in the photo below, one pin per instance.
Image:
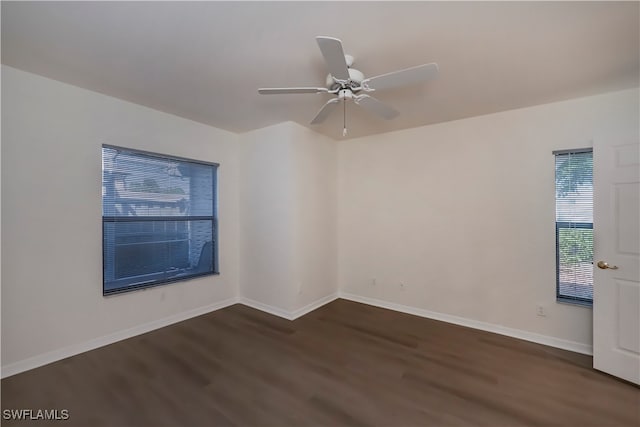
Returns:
(616, 296)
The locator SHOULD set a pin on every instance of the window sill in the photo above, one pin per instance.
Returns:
(112, 289)
(569, 301)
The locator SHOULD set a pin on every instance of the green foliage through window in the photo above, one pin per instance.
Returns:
(575, 245)
(573, 171)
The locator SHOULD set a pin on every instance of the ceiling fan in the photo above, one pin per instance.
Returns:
(347, 83)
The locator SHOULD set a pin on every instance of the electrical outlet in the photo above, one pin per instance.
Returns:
(541, 310)
(401, 286)
(374, 281)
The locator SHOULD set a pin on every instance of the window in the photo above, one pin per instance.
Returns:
(159, 220)
(574, 226)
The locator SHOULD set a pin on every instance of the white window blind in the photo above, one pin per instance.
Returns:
(159, 219)
(574, 225)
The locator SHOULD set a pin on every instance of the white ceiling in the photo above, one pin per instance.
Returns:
(206, 60)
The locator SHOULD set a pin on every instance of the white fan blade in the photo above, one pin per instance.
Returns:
(374, 106)
(404, 77)
(331, 49)
(325, 111)
(285, 90)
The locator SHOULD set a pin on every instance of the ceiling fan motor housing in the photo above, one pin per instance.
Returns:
(345, 94)
(355, 79)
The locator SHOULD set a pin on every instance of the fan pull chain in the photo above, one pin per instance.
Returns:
(344, 118)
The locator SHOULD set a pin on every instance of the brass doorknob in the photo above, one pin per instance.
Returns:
(603, 265)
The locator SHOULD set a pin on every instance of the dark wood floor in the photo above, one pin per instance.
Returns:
(344, 364)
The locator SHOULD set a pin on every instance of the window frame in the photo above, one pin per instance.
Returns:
(115, 219)
(561, 298)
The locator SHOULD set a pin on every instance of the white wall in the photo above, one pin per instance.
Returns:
(316, 249)
(51, 214)
(288, 207)
(462, 213)
(266, 207)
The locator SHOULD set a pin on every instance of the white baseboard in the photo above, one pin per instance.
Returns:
(313, 306)
(475, 324)
(276, 311)
(286, 314)
(72, 350)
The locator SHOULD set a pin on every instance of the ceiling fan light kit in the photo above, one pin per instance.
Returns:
(346, 83)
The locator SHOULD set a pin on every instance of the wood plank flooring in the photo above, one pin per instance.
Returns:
(345, 364)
